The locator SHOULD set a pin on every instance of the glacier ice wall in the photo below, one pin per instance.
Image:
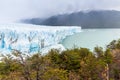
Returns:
(31, 38)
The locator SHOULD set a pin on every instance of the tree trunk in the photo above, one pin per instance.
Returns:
(107, 72)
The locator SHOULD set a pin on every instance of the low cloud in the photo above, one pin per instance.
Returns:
(12, 10)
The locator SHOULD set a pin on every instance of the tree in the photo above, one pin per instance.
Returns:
(25, 64)
(98, 51)
(9, 68)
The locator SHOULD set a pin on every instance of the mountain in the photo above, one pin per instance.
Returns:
(90, 19)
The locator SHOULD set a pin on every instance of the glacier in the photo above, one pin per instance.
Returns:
(30, 38)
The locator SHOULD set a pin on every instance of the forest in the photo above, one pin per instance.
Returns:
(71, 64)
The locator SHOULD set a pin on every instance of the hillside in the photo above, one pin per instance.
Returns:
(90, 19)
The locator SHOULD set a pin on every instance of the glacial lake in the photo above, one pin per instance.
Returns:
(89, 38)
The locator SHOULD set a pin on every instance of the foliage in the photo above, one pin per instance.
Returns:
(55, 74)
(73, 64)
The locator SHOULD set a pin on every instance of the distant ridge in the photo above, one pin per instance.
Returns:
(90, 19)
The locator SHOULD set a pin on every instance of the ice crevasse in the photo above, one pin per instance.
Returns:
(32, 38)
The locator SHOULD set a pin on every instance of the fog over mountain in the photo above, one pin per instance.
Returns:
(91, 19)
(15, 10)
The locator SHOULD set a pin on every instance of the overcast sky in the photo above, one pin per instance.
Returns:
(12, 10)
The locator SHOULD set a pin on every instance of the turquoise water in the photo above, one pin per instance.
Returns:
(89, 38)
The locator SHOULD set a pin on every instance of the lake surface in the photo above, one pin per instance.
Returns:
(89, 38)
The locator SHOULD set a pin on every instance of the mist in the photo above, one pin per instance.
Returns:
(15, 10)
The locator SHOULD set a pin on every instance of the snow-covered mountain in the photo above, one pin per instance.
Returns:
(31, 38)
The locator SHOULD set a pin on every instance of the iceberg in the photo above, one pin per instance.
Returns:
(30, 38)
